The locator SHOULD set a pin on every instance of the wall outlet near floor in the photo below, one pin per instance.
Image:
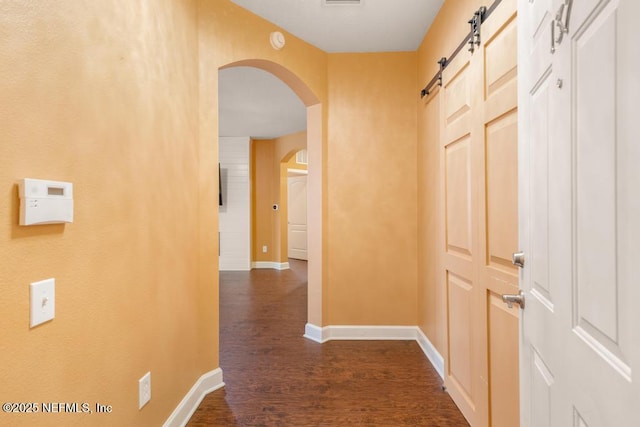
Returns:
(144, 390)
(264, 249)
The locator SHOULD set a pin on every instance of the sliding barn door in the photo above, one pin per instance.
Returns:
(479, 177)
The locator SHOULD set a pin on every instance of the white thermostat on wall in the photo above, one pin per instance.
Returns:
(45, 202)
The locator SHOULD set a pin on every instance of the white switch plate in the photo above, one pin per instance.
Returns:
(264, 249)
(144, 390)
(43, 301)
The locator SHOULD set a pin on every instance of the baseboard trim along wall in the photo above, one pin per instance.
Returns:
(207, 383)
(270, 265)
(407, 333)
(430, 351)
(314, 333)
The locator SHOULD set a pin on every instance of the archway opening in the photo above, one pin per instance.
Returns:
(314, 206)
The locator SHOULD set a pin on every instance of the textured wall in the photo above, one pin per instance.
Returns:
(372, 189)
(264, 184)
(105, 95)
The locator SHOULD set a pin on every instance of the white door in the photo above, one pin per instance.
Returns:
(297, 212)
(579, 212)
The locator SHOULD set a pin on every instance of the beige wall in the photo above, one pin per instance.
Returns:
(372, 189)
(446, 32)
(264, 184)
(105, 95)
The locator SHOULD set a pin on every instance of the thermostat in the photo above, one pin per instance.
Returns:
(45, 202)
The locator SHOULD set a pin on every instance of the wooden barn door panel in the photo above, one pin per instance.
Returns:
(479, 174)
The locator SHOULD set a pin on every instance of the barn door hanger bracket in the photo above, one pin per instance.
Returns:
(437, 79)
(443, 63)
(476, 25)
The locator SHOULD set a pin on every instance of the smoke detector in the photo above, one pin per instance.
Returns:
(277, 40)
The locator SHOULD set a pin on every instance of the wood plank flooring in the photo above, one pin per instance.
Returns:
(275, 377)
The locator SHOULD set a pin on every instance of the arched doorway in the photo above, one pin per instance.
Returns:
(314, 186)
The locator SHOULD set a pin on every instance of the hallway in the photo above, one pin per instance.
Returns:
(275, 377)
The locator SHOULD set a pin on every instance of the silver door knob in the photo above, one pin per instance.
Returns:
(518, 259)
(510, 299)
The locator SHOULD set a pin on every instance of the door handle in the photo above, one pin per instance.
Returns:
(510, 299)
(517, 259)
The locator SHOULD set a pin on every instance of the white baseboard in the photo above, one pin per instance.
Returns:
(430, 351)
(206, 384)
(230, 266)
(377, 333)
(314, 333)
(270, 265)
(342, 332)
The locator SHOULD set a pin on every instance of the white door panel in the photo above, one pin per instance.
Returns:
(579, 215)
(297, 217)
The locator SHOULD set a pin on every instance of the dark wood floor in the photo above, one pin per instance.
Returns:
(275, 377)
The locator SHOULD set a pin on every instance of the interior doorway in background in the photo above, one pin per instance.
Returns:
(297, 208)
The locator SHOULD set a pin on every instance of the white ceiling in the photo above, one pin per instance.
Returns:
(371, 26)
(254, 103)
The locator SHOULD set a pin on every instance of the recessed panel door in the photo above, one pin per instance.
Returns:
(459, 258)
(297, 222)
(579, 212)
(480, 190)
(496, 125)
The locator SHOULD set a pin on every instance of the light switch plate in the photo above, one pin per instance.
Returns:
(43, 301)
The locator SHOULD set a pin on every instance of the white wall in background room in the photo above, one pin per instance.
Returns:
(235, 212)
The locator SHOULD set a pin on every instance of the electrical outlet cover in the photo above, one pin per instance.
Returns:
(144, 390)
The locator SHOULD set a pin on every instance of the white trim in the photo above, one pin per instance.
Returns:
(291, 171)
(302, 157)
(314, 333)
(372, 333)
(378, 333)
(206, 384)
(431, 352)
(270, 265)
(342, 332)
